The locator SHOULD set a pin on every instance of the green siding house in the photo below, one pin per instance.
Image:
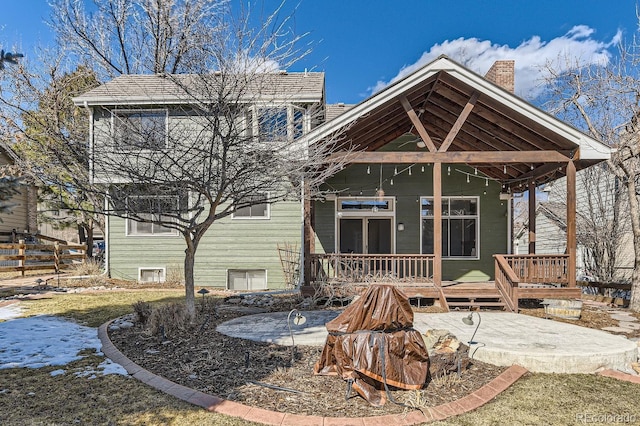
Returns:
(423, 200)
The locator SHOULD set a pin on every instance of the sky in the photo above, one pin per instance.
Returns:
(363, 45)
(42, 340)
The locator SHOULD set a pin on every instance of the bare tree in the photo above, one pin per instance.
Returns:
(224, 134)
(601, 220)
(603, 101)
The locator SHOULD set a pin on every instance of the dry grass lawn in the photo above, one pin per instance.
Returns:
(34, 397)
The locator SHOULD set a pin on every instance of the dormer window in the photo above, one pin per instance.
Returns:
(140, 129)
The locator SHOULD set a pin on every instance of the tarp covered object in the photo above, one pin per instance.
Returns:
(373, 342)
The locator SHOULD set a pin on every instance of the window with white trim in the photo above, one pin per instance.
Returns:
(154, 210)
(152, 275)
(277, 123)
(247, 279)
(140, 129)
(460, 226)
(257, 208)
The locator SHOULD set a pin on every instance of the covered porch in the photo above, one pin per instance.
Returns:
(444, 117)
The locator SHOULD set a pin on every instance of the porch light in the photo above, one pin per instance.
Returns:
(400, 226)
(468, 320)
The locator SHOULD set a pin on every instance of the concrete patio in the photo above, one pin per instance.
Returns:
(537, 344)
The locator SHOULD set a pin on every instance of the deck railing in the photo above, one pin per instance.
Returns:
(372, 267)
(507, 282)
(540, 268)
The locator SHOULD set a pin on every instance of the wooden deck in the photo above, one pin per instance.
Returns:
(517, 277)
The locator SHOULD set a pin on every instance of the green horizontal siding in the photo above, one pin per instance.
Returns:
(355, 180)
(228, 244)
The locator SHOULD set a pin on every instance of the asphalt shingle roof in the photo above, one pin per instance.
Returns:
(180, 88)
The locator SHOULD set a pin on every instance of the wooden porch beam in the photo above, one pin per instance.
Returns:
(571, 223)
(415, 120)
(437, 224)
(459, 122)
(532, 218)
(454, 157)
(308, 234)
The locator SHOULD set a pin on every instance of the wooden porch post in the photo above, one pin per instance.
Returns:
(437, 223)
(309, 236)
(571, 222)
(532, 217)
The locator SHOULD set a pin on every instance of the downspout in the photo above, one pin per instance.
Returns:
(302, 271)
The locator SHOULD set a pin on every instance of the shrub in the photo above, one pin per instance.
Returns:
(169, 320)
(143, 311)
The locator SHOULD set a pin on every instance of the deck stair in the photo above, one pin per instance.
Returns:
(485, 296)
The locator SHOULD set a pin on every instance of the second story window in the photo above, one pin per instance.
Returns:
(142, 129)
(272, 124)
(277, 123)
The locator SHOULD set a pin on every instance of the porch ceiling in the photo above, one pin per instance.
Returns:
(438, 102)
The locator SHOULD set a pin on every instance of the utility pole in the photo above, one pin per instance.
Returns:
(11, 58)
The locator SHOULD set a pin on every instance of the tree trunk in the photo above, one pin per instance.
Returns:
(189, 285)
(634, 210)
(88, 229)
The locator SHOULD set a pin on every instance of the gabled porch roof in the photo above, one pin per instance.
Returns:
(461, 117)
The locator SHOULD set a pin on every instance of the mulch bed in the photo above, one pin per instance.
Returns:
(263, 375)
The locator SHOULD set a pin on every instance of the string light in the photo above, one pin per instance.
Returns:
(422, 169)
(448, 170)
(468, 179)
(395, 171)
(391, 182)
(409, 170)
(368, 170)
(475, 170)
(486, 182)
(504, 169)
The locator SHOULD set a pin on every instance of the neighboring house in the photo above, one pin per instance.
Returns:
(423, 202)
(602, 222)
(22, 218)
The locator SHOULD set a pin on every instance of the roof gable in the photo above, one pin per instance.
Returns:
(438, 93)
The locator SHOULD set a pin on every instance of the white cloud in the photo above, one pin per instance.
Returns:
(530, 56)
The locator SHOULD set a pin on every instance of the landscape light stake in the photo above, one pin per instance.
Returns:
(469, 321)
(299, 319)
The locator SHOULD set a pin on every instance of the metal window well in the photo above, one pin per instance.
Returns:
(563, 308)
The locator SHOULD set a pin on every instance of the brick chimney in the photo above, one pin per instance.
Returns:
(502, 73)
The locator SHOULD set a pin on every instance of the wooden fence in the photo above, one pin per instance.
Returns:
(24, 257)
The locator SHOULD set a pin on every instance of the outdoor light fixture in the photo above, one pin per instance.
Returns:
(468, 320)
(298, 319)
(203, 292)
(400, 226)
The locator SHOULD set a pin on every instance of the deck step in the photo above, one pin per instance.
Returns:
(477, 304)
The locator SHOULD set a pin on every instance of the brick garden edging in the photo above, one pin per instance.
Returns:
(216, 404)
